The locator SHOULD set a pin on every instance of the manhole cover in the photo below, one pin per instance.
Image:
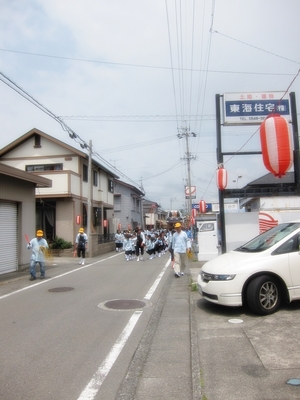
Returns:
(124, 304)
(235, 321)
(61, 289)
(294, 381)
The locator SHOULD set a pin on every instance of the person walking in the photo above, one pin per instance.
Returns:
(127, 246)
(81, 245)
(38, 246)
(119, 237)
(180, 245)
(140, 244)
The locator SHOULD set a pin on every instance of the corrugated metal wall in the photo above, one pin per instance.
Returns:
(8, 237)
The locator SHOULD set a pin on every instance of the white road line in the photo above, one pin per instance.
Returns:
(93, 386)
(156, 282)
(55, 277)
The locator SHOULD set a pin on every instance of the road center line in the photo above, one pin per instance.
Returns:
(93, 386)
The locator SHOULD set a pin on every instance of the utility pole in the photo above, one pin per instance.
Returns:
(90, 188)
(185, 133)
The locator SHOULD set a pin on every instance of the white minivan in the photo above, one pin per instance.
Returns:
(261, 273)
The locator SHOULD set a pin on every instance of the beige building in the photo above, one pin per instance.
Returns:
(62, 208)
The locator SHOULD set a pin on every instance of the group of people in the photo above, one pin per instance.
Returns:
(155, 243)
(134, 244)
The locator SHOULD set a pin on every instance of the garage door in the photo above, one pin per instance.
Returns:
(8, 237)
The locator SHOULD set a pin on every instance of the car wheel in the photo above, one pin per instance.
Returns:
(263, 295)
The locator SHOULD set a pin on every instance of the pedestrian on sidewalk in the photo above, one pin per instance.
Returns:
(81, 245)
(39, 247)
(181, 245)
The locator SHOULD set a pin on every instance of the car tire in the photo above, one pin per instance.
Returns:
(263, 295)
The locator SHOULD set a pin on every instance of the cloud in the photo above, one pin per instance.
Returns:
(129, 72)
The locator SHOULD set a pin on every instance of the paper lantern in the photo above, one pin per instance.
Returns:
(202, 206)
(194, 212)
(78, 220)
(105, 223)
(276, 145)
(222, 178)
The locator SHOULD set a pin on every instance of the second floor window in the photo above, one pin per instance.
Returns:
(85, 173)
(44, 167)
(95, 178)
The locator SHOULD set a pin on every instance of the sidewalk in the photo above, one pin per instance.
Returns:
(172, 368)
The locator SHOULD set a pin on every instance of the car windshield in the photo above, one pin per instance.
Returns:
(269, 238)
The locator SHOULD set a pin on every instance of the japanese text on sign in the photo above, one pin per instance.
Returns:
(253, 108)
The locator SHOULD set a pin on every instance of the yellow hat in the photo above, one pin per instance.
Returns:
(39, 233)
(177, 225)
(81, 230)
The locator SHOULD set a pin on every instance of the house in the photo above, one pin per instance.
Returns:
(128, 207)
(285, 199)
(155, 216)
(62, 208)
(17, 215)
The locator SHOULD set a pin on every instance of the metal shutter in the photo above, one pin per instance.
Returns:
(8, 237)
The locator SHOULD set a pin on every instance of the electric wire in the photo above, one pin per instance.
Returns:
(151, 66)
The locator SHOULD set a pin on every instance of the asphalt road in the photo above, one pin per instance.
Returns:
(63, 344)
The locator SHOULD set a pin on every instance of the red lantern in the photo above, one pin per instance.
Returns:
(202, 206)
(194, 212)
(78, 219)
(119, 227)
(105, 223)
(192, 221)
(222, 177)
(276, 145)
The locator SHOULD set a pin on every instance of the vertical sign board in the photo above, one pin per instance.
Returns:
(191, 195)
(252, 108)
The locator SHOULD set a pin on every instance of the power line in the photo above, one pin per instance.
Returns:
(154, 66)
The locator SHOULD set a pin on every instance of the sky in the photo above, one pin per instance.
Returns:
(130, 76)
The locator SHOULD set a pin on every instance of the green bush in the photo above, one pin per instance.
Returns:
(60, 243)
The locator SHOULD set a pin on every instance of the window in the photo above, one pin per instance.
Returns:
(97, 216)
(44, 167)
(85, 173)
(95, 178)
(117, 203)
(37, 141)
(110, 185)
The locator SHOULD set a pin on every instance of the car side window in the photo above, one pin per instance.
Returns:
(289, 246)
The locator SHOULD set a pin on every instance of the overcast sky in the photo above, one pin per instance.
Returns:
(129, 75)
